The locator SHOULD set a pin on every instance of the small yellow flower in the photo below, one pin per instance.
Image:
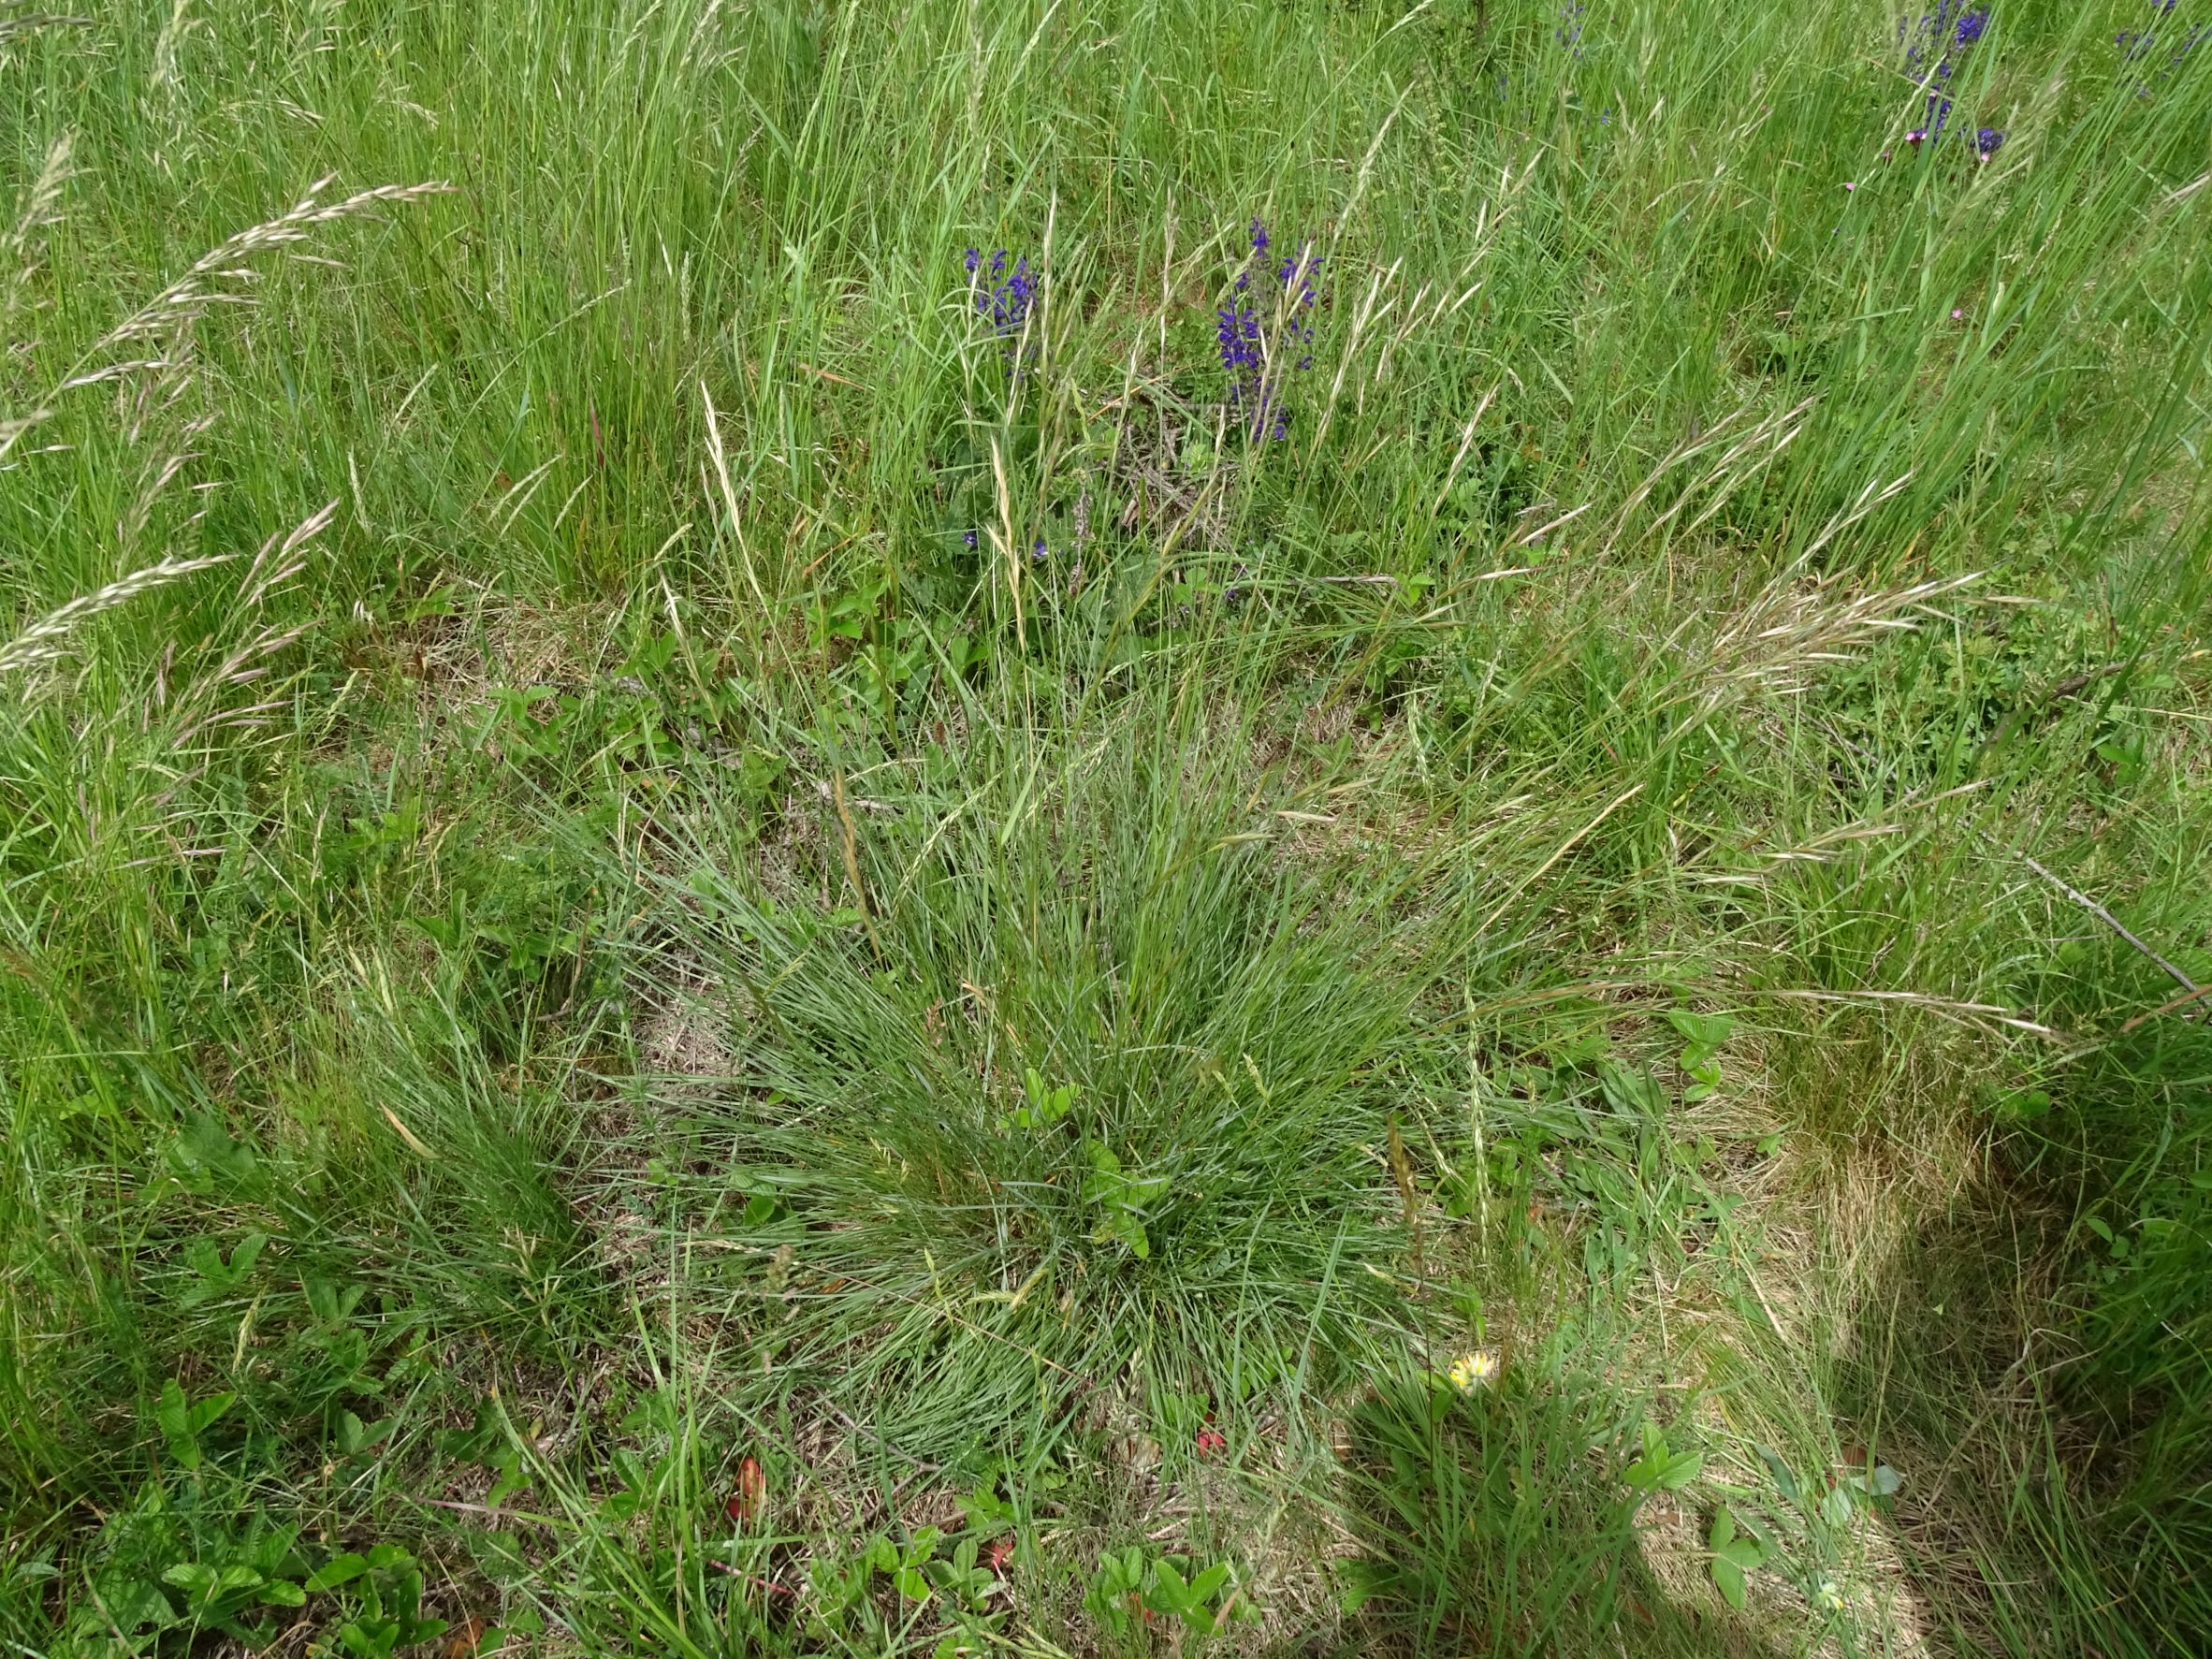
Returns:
(1473, 1371)
(1828, 1597)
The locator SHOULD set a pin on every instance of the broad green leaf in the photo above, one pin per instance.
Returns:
(194, 1578)
(134, 1603)
(1170, 1594)
(1681, 1469)
(1728, 1580)
(171, 1411)
(342, 1569)
(1359, 1580)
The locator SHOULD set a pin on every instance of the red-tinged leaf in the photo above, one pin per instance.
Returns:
(752, 1488)
(1211, 1441)
(998, 1552)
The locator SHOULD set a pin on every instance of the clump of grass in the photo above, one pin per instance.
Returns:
(1499, 1520)
(1090, 1071)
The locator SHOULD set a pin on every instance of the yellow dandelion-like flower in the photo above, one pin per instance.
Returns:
(1473, 1371)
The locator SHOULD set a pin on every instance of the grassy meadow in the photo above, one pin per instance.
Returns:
(1100, 827)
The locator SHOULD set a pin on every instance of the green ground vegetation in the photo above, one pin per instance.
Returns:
(721, 933)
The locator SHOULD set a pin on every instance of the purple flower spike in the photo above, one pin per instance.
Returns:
(1003, 297)
(1931, 42)
(1260, 319)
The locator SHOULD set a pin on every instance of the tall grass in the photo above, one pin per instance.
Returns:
(636, 847)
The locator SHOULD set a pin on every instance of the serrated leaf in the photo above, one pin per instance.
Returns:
(171, 1411)
(341, 1569)
(1728, 1580)
(1706, 1031)
(1681, 1469)
(133, 1603)
(911, 1584)
(1168, 1594)
(1359, 1580)
(204, 1256)
(206, 1411)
